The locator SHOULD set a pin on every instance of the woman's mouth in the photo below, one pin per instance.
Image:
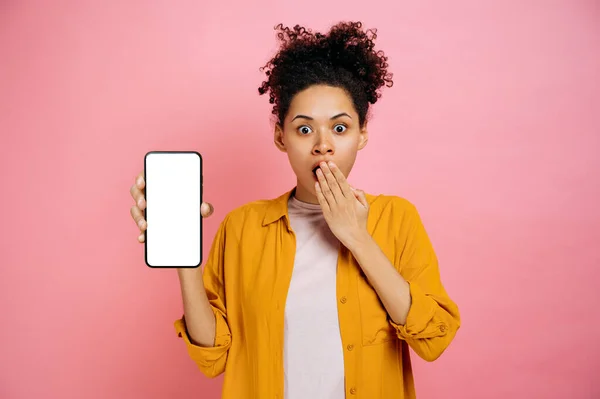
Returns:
(314, 171)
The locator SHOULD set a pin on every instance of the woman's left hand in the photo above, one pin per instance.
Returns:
(345, 209)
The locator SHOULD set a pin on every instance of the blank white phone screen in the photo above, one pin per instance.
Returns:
(173, 199)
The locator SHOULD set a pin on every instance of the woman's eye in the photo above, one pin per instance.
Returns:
(305, 129)
(339, 128)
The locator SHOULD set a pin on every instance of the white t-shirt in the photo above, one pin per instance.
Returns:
(313, 353)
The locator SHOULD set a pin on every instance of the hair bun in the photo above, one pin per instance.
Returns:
(344, 56)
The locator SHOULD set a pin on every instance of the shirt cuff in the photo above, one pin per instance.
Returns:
(207, 355)
(420, 319)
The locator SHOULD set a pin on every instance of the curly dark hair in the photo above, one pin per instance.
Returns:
(344, 58)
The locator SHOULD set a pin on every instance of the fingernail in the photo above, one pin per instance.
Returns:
(141, 224)
(331, 164)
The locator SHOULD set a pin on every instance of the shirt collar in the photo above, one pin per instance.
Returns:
(278, 207)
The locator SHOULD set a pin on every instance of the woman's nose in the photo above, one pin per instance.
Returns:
(323, 148)
(323, 145)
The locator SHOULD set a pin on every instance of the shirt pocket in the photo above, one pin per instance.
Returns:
(375, 327)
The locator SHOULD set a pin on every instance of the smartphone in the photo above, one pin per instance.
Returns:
(173, 199)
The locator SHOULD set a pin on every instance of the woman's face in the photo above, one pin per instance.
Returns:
(321, 124)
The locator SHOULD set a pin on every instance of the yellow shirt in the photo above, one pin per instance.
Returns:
(248, 272)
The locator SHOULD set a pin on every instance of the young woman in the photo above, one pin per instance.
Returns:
(321, 292)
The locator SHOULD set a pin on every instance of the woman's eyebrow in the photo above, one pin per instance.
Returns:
(311, 119)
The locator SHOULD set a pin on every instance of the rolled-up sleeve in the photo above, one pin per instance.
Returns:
(212, 360)
(433, 318)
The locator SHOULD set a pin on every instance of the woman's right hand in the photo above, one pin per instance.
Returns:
(138, 194)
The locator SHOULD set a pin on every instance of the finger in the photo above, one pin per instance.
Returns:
(333, 184)
(138, 196)
(341, 180)
(360, 196)
(140, 181)
(324, 187)
(136, 214)
(142, 237)
(321, 197)
(206, 209)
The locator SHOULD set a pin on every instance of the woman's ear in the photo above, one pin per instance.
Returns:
(364, 137)
(278, 138)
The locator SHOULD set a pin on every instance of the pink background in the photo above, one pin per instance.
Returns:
(491, 129)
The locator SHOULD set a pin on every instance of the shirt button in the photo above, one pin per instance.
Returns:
(343, 299)
(350, 347)
(352, 390)
(442, 328)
